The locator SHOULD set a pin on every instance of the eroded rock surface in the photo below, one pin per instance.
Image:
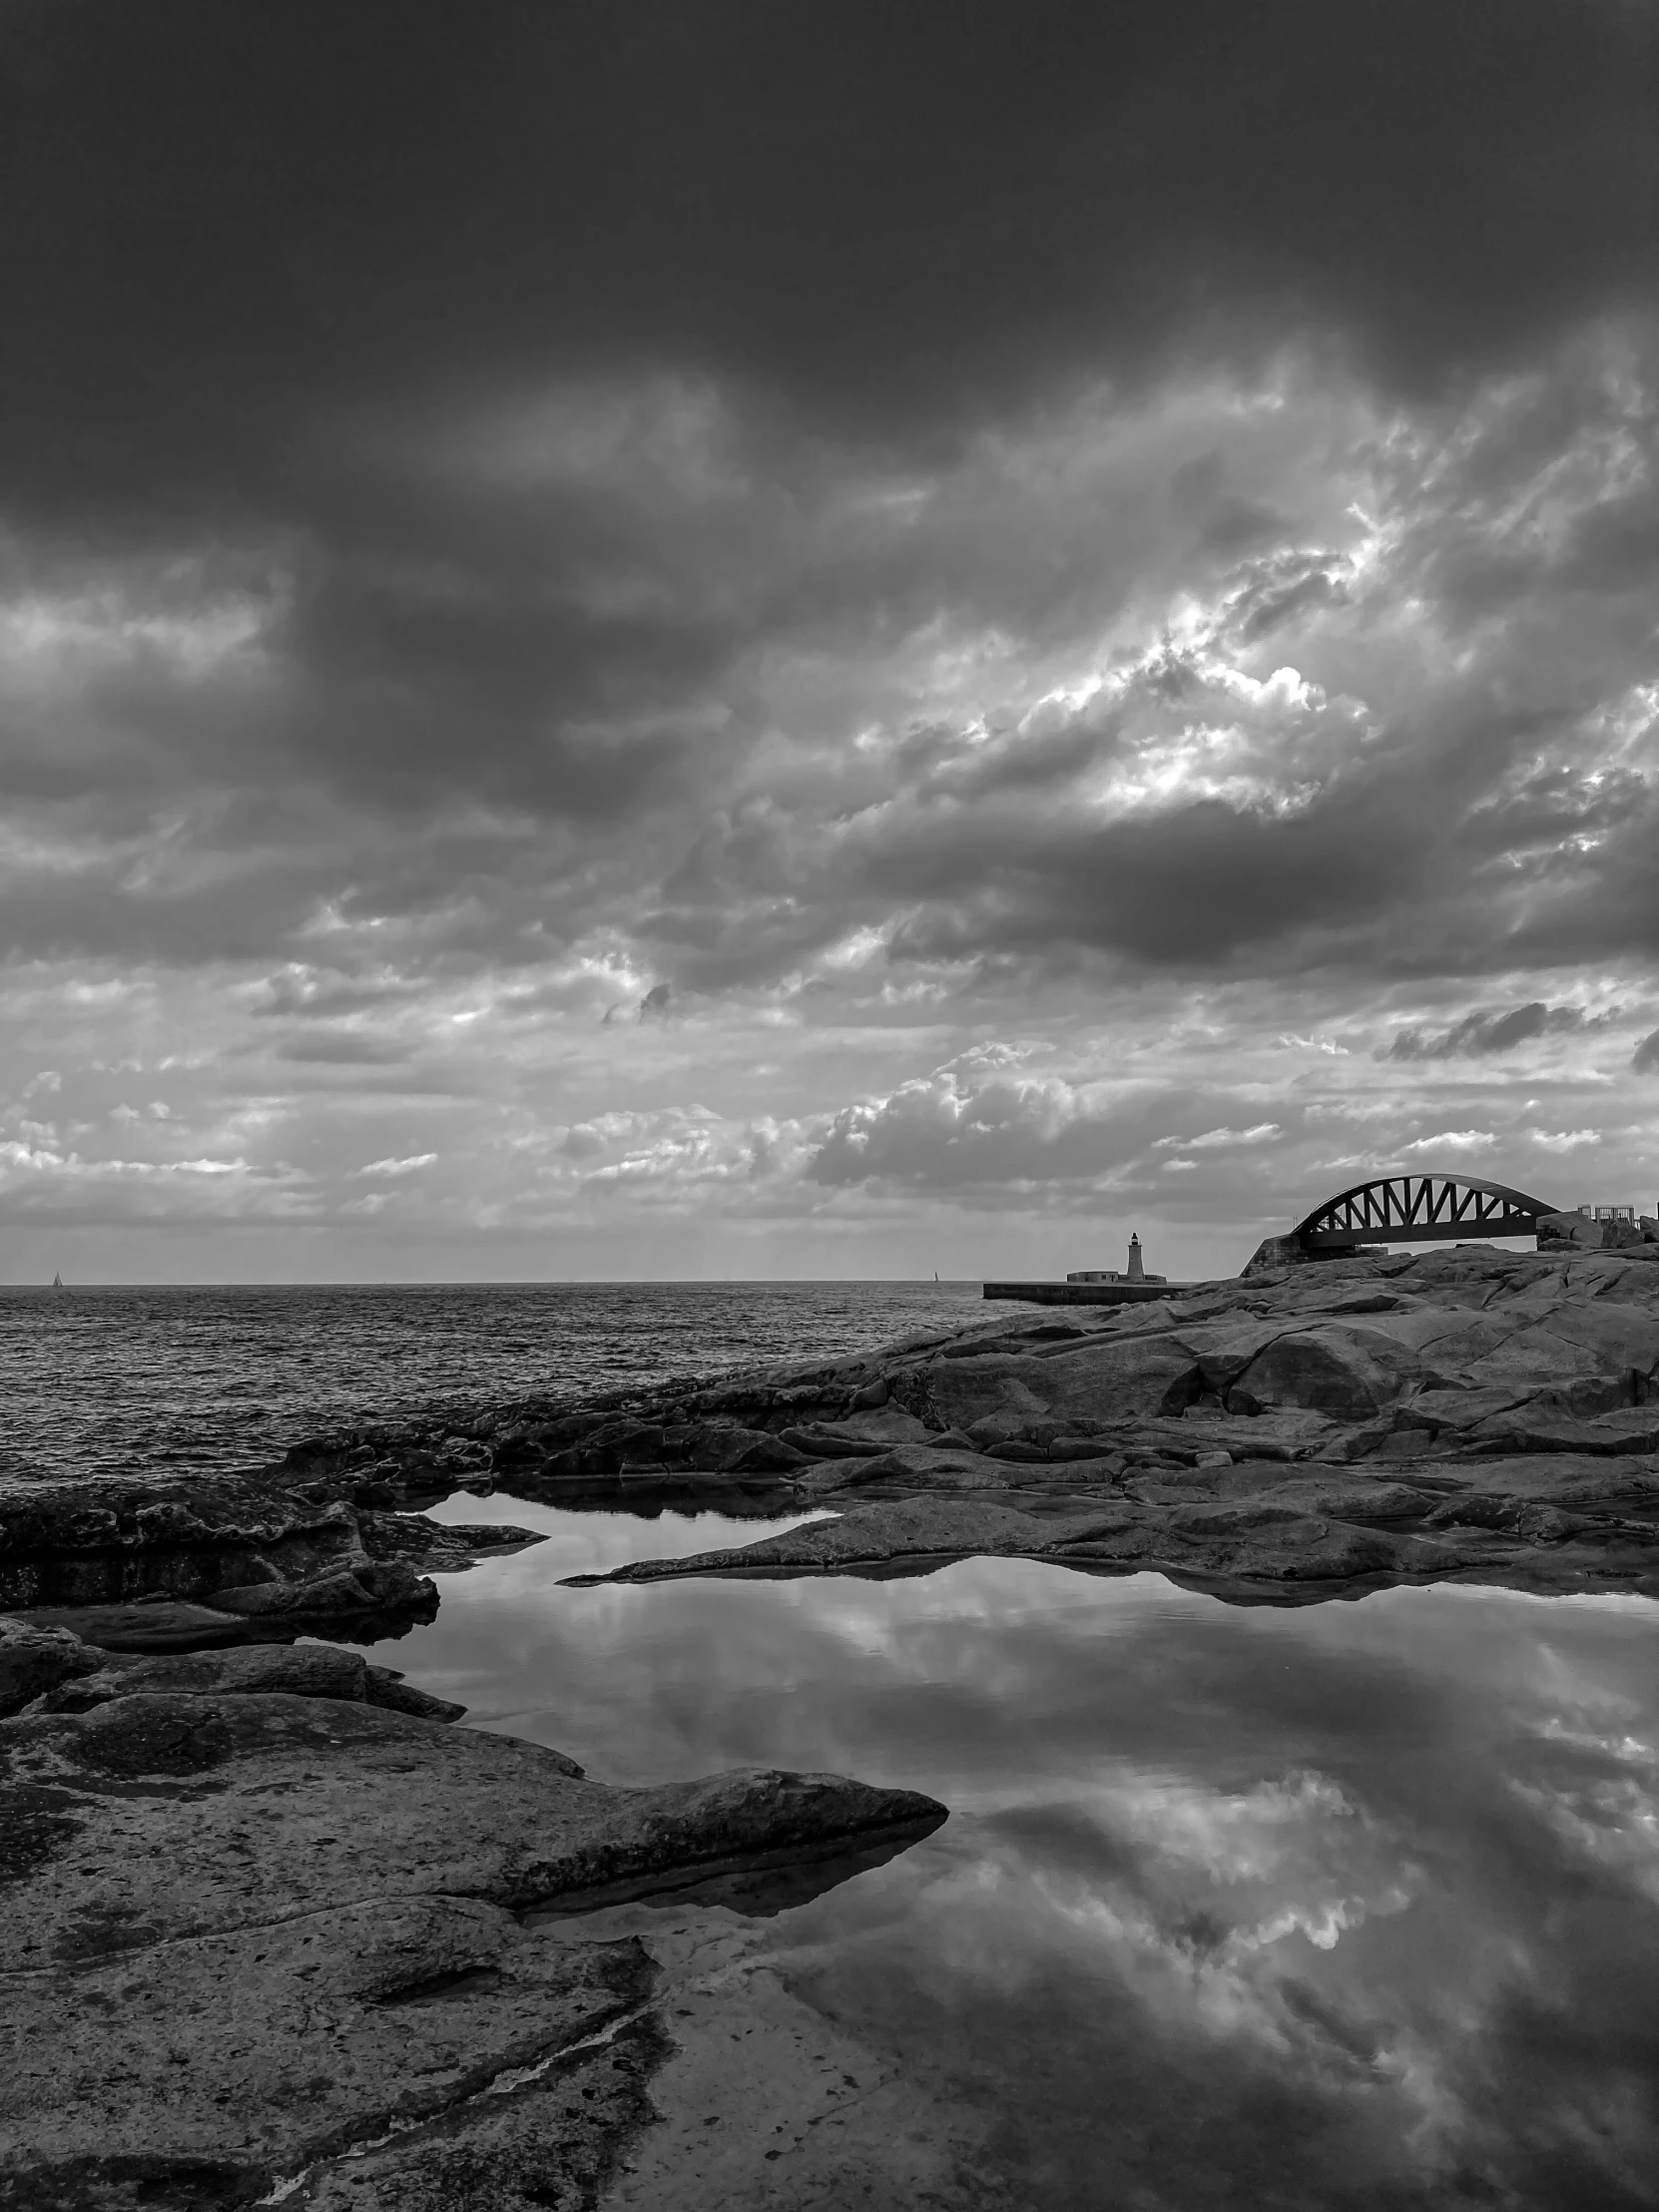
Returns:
(245, 1935)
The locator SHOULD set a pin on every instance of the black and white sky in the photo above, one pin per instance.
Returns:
(758, 636)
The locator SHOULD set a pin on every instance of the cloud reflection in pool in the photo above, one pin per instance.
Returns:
(1350, 1905)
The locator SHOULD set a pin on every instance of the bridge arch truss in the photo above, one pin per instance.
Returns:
(1419, 1209)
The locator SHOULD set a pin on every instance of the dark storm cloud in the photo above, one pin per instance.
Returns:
(1491, 1032)
(826, 523)
(1645, 1059)
(231, 220)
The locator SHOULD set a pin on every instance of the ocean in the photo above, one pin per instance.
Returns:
(105, 1379)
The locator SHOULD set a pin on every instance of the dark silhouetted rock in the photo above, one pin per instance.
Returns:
(35, 1659)
(1574, 1229)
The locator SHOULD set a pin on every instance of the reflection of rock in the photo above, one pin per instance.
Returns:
(248, 1933)
(1273, 1536)
(865, 1536)
(156, 1625)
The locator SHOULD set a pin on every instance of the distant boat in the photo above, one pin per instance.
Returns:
(57, 1282)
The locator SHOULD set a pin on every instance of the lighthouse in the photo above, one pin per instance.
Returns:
(1134, 1272)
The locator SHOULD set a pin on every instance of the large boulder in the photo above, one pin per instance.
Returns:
(1102, 1375)
(1574, 1229)
(1344, 1370)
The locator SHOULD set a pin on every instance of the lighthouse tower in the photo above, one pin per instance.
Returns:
(1136, 1274)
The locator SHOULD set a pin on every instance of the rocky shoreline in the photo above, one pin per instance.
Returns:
(1470, 1412)
(267, 1939)
(277, 1929)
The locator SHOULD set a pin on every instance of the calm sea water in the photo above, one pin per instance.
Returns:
(1347, 1906)
(98, 1380)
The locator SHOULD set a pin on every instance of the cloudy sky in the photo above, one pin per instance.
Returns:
(725, 637)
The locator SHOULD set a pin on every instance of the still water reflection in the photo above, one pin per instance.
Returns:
(1355, 1905)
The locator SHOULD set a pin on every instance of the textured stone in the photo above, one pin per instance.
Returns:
(1544, 1428)
(828, 1444)
(35, 1659)
(247, 1933)
(1099, 1374)
(925, 1468)
(745, 1452)
(108, 1541)
(1344, 1370)
(292, 1670)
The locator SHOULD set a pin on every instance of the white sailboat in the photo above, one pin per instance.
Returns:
(57, 1282)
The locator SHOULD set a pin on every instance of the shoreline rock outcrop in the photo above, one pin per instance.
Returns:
(1469, 1412)
(259, 1944)
(277, 1560)
(1409, 1367)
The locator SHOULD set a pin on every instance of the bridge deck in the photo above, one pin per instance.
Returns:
(1420, 1232)
(1087, 1294)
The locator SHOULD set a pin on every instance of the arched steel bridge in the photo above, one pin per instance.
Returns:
(1415, 1209)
